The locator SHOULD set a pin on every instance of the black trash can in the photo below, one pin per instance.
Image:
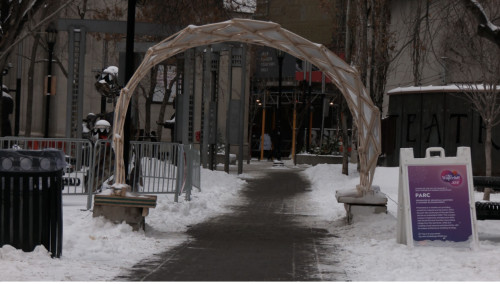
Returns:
(487, 210)
(31, 199)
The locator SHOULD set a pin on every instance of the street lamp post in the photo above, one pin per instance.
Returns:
(51, 34)
(281, 55)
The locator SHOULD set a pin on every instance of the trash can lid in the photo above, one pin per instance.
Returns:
(47, 160)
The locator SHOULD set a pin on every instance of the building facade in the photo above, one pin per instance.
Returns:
(85, 47)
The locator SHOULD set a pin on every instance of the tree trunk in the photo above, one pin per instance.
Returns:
(487, 158)
(348, 33)
(161, 114)
(417, 47)
(29, 98)
(363, 40)
(168, 91)
(372, 49)
(149, 100)
(147, 123)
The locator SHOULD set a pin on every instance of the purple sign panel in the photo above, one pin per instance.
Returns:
(439, 200)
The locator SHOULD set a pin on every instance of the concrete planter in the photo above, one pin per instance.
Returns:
(318, 159)
(221, 159)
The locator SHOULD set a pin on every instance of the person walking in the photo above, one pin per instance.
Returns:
(268, 145)
(276, 139)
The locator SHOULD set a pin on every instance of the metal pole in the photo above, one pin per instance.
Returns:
(309, 68)
(49, 89)
(230, 97)
(304, 95)
(104, 65)
(129, 71)
(322, 109)
(242, 106)
(206, 107)
(263, 132)
(18, 88)
(278, 113)
(322, 121)
(180, 172)
(294, 126)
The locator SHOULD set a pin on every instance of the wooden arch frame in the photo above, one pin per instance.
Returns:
(346, 78)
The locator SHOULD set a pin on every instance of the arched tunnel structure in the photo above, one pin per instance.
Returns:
(345, 77)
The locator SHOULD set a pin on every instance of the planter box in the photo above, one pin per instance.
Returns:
(221, 158)
(318, 159)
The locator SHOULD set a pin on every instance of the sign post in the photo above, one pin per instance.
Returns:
(436, 200)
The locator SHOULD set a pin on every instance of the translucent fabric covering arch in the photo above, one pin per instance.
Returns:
(346, 78)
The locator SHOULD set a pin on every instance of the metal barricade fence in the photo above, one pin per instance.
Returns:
(100, 176)
(193, 169)
(196, 167)
(78, 155)
(154, 167)
(159, 167)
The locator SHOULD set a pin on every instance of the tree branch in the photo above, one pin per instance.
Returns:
(5, 52)
(485, 27)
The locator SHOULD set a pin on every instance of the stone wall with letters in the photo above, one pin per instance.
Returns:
(422, 120)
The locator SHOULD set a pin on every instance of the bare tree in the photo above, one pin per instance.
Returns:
(31, 74)
(20, 19)
(148, 95)
(485, 27)
(166, 98)
(174, 15)
(477, 60)
(373, 44)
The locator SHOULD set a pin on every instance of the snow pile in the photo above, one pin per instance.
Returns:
(218, 189)
(113, 70)
(95, 249)
(326, 179)
(368, 250)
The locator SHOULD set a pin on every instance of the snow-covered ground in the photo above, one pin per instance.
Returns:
(368, 247)
(97, 250)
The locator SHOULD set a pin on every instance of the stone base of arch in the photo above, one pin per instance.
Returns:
(359, 204)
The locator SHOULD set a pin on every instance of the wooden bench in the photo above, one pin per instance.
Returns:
(372, 202)
(131, 209)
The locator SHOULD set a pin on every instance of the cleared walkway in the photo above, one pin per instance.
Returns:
(272, 235)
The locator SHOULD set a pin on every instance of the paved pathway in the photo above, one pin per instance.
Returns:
(273, 235)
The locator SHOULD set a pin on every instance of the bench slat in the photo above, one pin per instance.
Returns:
(148, 201)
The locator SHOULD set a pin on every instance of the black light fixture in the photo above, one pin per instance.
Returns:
(280, 54)
(50, 37)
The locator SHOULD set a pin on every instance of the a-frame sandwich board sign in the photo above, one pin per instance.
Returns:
(436, 199)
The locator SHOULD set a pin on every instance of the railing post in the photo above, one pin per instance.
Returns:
(189, 174)
(90, 176)
(180, 171)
